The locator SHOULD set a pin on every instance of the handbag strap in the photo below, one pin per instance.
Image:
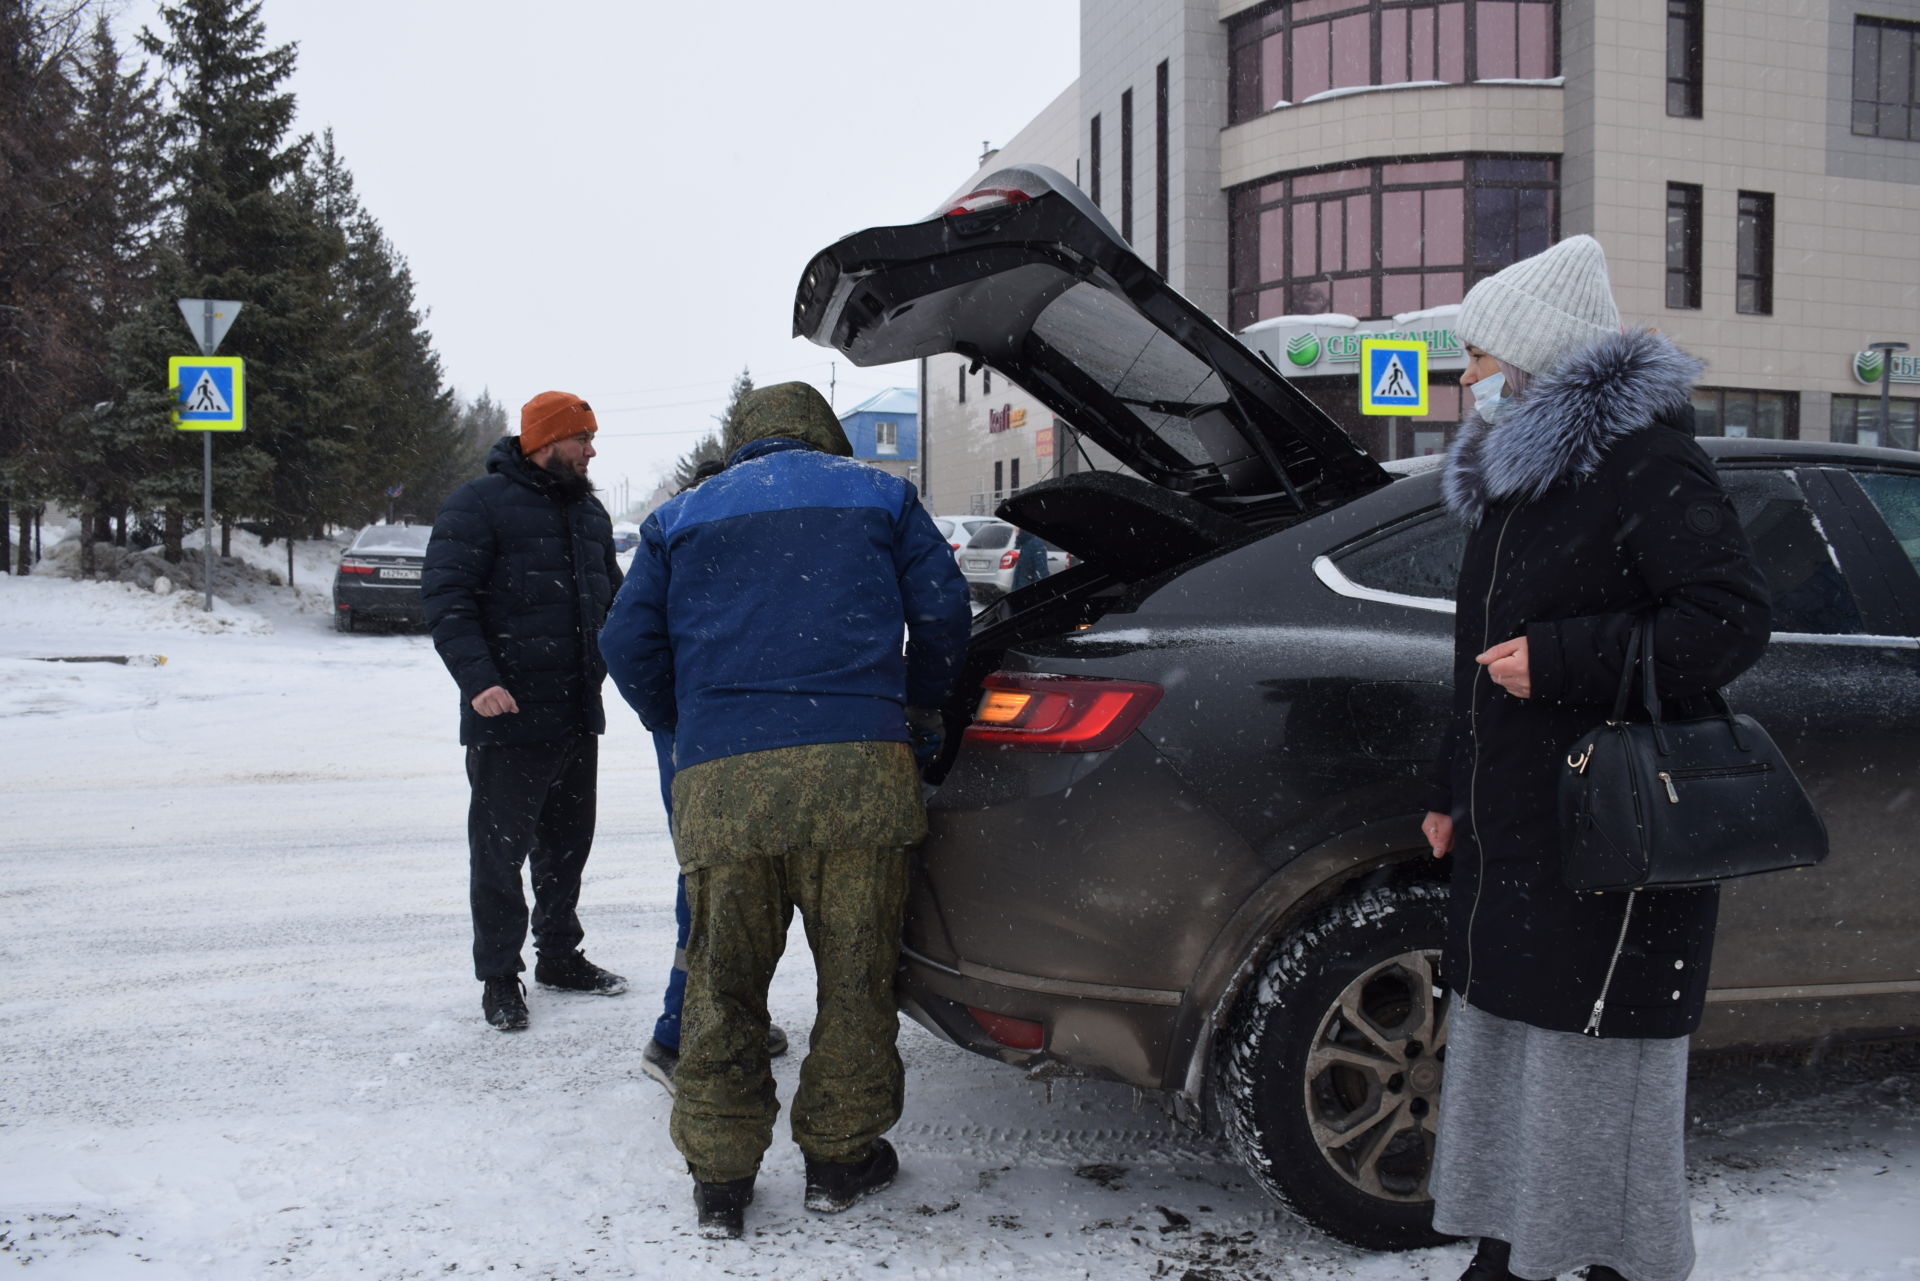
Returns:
(1626, 675)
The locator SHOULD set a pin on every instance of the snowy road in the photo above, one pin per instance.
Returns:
(239, 1038)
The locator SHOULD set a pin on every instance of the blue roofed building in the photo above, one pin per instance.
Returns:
(884, 431)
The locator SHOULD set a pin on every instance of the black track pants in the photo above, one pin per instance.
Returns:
(528, 803)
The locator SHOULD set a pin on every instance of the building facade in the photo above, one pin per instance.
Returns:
(884, 430)
(1313, 171)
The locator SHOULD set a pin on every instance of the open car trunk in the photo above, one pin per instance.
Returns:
(1027, 276)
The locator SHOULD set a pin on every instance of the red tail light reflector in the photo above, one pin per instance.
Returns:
(1015, 1034)
(988, 198)
(1059, 713)
(1009, 559)
(351, 567)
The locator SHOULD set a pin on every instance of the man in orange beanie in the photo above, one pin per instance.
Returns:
(519, 574)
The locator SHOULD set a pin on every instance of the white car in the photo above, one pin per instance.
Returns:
(957, 530)
(989, 559)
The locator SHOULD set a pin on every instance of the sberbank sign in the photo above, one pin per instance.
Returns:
(1868, 366)
(1299, 348)
(1344, 349)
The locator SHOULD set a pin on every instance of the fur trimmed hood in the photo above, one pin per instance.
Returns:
(1564, 424)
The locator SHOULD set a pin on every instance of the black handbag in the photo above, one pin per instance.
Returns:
(1668, 803)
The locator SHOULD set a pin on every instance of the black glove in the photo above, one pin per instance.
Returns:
(926, 730)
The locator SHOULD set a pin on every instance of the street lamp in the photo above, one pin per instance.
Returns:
(1886, 350)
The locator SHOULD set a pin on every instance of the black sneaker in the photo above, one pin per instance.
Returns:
(833, 1186)
(658, 1062)
(723, 1207)
(504, 1001)
(575, 973)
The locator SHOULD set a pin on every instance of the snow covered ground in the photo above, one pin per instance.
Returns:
(239, 1038)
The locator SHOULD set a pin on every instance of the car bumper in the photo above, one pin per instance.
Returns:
(397, 601)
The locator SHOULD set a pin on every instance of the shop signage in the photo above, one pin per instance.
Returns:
(1321, 346)
(1043, 442)
(1867, 367)
(1005, 418)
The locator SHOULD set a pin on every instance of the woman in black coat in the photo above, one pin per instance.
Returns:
(1591, 507)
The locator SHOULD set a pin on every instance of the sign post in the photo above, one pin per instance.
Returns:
(210, 395)
(1888, 350)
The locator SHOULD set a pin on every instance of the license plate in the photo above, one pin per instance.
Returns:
(979, 562)
(411, 575)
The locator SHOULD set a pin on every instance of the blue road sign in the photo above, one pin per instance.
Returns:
(210, 392)
(1393, 376)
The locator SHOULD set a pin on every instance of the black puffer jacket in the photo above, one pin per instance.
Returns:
(517, 584)
(1591, 505)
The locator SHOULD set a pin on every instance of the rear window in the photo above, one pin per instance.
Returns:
(393, 540)
(991, 538)
(1160, 381)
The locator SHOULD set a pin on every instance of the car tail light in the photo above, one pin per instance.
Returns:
(989, 198)
(1059, 713)
(1009, 559)
(355, 567)
(1015, 1034)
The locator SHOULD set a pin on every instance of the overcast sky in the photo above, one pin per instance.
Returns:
(617, 198)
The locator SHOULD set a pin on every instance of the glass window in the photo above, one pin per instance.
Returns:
(1856, 421)
(1735, 411)
(1381, 239)
(998, 534)
(1683, 245)
(1281, 54)
(1421, 558)
(1753, 255)
(393, 540)
(1898, 498)
(1886, 78)
(1685, 58)
(1803, 575)
(886, 438)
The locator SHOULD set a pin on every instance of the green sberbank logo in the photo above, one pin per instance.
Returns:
(1869, 366)
(1304, 349)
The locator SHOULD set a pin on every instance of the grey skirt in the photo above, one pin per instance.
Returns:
(1571, 1148)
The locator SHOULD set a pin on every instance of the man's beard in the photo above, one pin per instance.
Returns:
(570, 484)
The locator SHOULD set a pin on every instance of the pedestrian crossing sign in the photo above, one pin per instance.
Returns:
(1393, 376)
(210, 392)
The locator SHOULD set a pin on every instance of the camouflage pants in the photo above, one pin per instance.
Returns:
(851, 1083)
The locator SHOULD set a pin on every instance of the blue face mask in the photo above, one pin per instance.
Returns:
(1490, 400)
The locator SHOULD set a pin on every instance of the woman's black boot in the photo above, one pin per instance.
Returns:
(1490, 1262)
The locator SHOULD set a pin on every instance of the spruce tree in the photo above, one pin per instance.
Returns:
(243, 231)
(116, 221)
(41, 359)
(712, 446)
(405, 414)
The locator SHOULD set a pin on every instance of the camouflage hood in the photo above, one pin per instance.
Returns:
(793, 410)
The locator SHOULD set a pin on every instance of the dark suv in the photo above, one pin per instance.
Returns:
(1176, 844)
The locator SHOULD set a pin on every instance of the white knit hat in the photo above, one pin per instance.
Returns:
(1543, 308)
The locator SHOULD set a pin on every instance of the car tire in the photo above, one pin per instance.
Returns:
(342, 620)
(1329, 1074)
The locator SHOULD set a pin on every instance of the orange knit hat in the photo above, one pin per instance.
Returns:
(551, 416)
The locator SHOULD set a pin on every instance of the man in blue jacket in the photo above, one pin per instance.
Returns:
(761, 623)
(519, 573)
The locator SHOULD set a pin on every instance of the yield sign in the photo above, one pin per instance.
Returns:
(209, 319)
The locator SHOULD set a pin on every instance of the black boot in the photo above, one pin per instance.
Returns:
(504, 1002)
(833, 1186)
(1490, 1262)
(723, 1207)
